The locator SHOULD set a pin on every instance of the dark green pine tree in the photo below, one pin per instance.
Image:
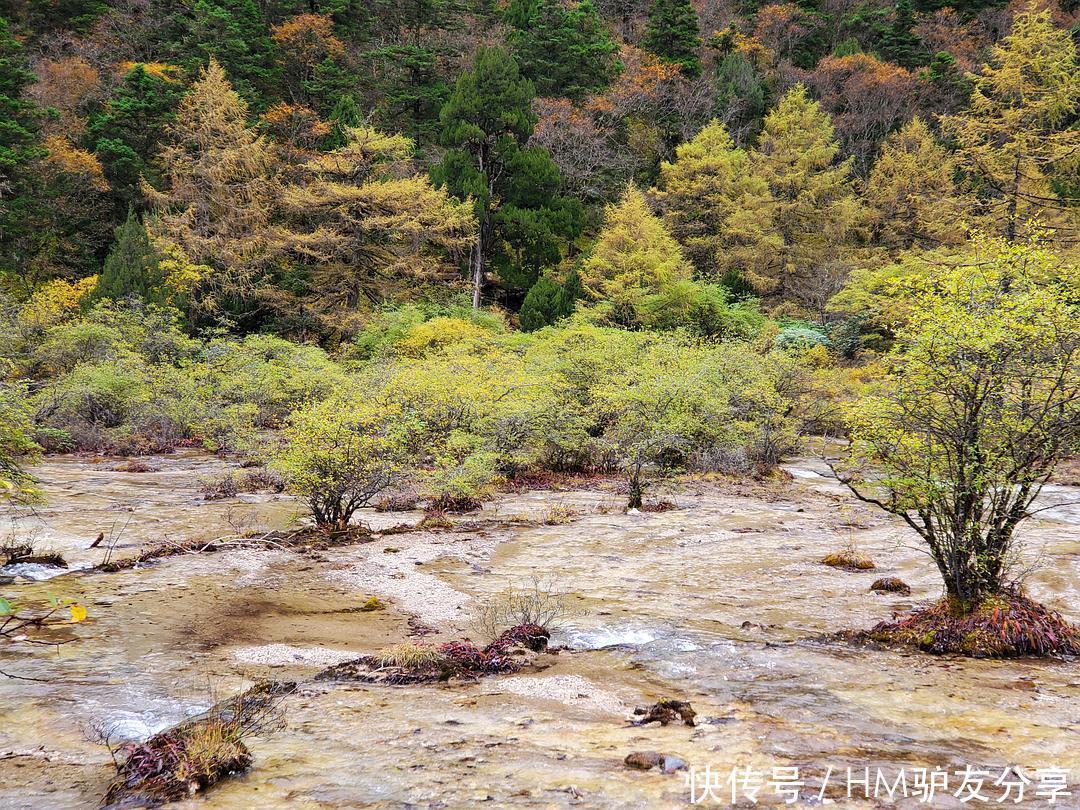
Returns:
(16, 114)
(674, 35)
(897, 43)
(236, 34)
(565, 50)
(346, 113)
(18, 121)
(549, 302)
(128, 129)
(415, 85)
(131, 267)
(523, 222)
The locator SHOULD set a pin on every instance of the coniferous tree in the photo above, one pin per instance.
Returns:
(814, 213)
(564, 50)
(549, 301)
(218, 174)
(415, 84)
(674, 34)
(132, 266)
(1019, 138)
(714, 204)
(234, 33)
(898, 43)
(634, 254)
(522, 220)
(19, 204)
(345, 115)
(911, 193)
(16, 125)
(128, 129)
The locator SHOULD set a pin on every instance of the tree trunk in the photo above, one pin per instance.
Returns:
(1010, 224)
(478, 270)
(636, 491)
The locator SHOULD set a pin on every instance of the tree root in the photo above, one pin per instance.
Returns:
(1008, 625)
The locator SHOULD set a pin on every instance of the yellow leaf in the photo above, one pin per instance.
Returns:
(78, 613)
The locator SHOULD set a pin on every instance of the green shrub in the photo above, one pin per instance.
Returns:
(340, 454)
(798, 336)
(16, 444)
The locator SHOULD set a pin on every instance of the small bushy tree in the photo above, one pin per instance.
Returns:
(655, 412)
(132, 266)
(982, 400)
(341, 453)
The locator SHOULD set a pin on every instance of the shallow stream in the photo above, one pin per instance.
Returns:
(722, 602)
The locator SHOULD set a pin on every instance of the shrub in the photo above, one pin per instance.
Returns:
(797, 337)
(438, 333)
(16, 444)
(340, 454)
(539, 603)
(548, 302)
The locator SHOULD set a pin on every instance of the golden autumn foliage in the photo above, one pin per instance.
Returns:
(159, 70)
(64, 158)
(1019, 138)
(815, 213)
(360, 217)
(912, 192)
(67, 86)
(219, 187)
(713, 202)
(634, 252)
(55, 302)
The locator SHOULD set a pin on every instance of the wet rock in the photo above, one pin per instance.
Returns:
(891, 585)
(666, 711)
(643, 760)
(849, 560)
(647, 760)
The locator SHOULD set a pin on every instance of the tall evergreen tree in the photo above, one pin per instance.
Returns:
(131, 267)
(522, 220)
(16, 125)
(17, 150)
(563, 49)
(235, 33)
(128, 129)
(674, 34)
(415, 84)
(897, 42)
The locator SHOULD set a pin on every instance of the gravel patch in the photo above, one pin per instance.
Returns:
(276, 655)
(572, 690)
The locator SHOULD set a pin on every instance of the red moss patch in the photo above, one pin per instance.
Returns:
(1006, 626)
(461, 659)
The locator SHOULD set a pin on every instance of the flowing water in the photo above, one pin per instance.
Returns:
(722, 602)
